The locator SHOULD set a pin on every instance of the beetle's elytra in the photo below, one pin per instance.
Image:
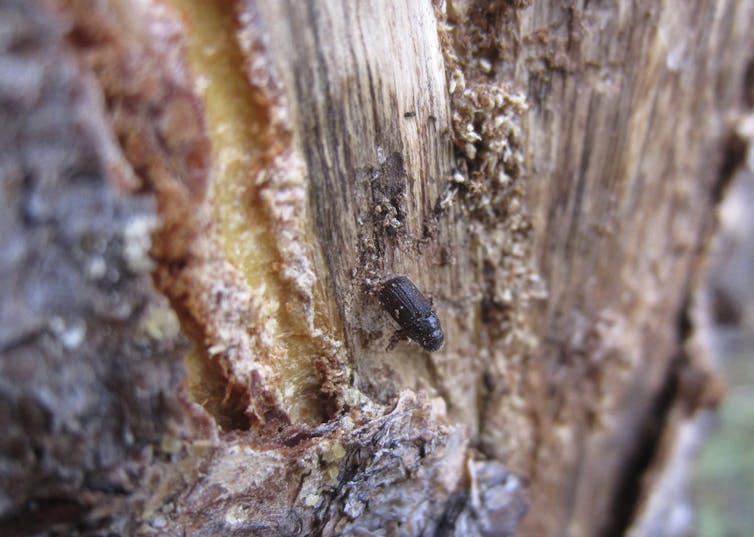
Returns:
(413, 312)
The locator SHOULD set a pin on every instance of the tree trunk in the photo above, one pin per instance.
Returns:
(202, 201)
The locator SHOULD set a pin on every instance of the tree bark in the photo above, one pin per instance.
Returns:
(202, 200)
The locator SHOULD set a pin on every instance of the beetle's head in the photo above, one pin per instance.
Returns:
(432, 336)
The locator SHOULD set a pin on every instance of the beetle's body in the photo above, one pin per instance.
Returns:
(413, 312)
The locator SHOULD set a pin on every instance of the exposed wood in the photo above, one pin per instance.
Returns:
(547, 173)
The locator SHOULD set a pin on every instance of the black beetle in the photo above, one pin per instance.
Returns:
(413, 312)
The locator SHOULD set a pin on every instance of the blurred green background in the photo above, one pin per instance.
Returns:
(724, 476)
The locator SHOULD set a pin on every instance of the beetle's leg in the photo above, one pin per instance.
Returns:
(397, 337)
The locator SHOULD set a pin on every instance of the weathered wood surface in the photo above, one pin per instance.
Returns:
(548, 173)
